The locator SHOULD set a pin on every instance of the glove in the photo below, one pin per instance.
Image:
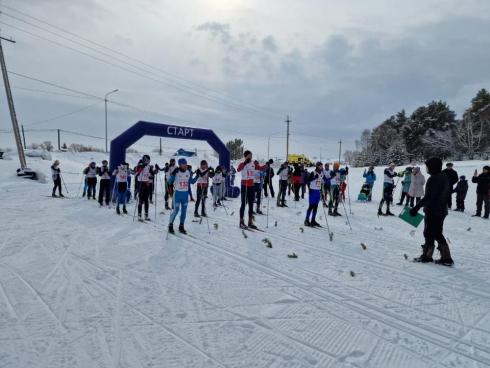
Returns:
(414, 211)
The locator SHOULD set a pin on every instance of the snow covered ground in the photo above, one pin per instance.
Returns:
(83, 287)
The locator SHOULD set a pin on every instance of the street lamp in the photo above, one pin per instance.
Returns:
(105, 102)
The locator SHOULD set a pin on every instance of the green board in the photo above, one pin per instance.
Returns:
(414, 221)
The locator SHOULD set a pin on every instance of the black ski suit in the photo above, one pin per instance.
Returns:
(461, 190)
(56, 174)
(105, 185)
(269, 174)
(453, 178)
(435, 207)
(482, 193)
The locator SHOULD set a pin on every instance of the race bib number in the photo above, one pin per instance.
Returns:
(183, 184)
(122, 177)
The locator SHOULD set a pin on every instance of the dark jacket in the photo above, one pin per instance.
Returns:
(461, 189)
(269, 174)
(483, 181)
(437, 190)
(452, 176)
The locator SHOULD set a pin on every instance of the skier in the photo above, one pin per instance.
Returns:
(121, 177)
(435, 207)
(335, 181)
(85, 185)
(417, 183)
(136, 182)
(232, 175)
(218, 182)
(304, 178)
(180, 179)
(91, 174)
(143, 174)
(482, 191)
(202, 174)
(343, 184)
(191, 197)
(370, 177)
(169, 190)
(388, 187)
(56, 175)
(223, 187)
(407, 180)
(453, 178)
(105, 183)
(269, 174)
(461, 190)
(283, 174)
(258, 179)
(296, 181)
(247, 169)
(327, 177)
(315, 181)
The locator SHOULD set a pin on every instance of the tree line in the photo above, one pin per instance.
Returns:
(431, 130)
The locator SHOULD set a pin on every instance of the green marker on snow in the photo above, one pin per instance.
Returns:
(411, 220)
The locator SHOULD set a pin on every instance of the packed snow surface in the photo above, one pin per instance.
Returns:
(83, 287)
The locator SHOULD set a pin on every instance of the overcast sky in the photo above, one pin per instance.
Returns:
(240, 66)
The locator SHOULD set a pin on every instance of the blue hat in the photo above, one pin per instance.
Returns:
(182, 161)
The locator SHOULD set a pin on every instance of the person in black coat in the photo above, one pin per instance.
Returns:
(269, 174)
(453, 178)
(435, 207)
(461, 190)
(56, 175)
(482, 191)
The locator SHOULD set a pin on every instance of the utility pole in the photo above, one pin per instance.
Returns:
(105, 102)
(13, 115)
(268, 147)
(160, 147)
(287, 137)
(59, 141)
(340, 150)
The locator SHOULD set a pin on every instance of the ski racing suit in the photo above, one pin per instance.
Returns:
(180, 180)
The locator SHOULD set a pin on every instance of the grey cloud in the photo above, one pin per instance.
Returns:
(217, 30)
(269, 44)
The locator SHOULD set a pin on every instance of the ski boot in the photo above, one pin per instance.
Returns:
(166, 205)
(182, 230)
(336, 213)
(259, 212)
(146, 217)
(203, 214)
(307, 223)
(242, 225)
(54, 195)
(118, 211)
(61, 195)
(426, 256)
(445, 259)
(196, 214)
(125, 211)
(252, 226)
(315, 224)
(380, 212)
(171, 228)
(388, 212)
(140, 219)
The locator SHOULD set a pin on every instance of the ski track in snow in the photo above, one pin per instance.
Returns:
(83, 287)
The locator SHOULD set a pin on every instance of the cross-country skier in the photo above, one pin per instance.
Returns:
(144, 172)
(232, 175)
(335, 182)
(453, 178)
(315, 181)
(283, 174)
(169, 190)
(461, 190)
(121, 177)
(269, 174)
(304, 178)
(218, 182)
(388, 187)
(327, 176)
(91, 174)
(407, 181)
(85, 185)
(248, 168)
(417, 183)
(258, 179)
(223, 187)
(435, 207)
(56, 175)
(180, 179)
(296, 181)
(370, 177)
(191, 197)
(482, 191)
(105, 183)
(202, 174)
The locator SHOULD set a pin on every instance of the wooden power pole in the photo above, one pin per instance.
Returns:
(13, 116)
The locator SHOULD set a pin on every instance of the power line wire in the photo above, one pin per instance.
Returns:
(170, 75)
(63, 115)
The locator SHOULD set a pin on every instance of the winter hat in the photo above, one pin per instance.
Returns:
(336, 165)
(93, 163)
(182, 161)
(204, 162)
(462, 177)
(449, 164)
(146, 159)
(318, 164)
(246, 153)
(56, 162)
(434, 165)
(271, 161)
(486, 167)
(104, 162)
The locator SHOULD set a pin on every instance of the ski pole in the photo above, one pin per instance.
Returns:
(137, 201)
(267, 220)
(207, 221)
(330, 234)
(113, 192)
(346, 215)
(63, 180)
(155, 181)
(80, 187)
(348, 193)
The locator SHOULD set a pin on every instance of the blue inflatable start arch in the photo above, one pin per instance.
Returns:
(144, 128)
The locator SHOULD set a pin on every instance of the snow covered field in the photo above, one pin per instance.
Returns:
(83, 287)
